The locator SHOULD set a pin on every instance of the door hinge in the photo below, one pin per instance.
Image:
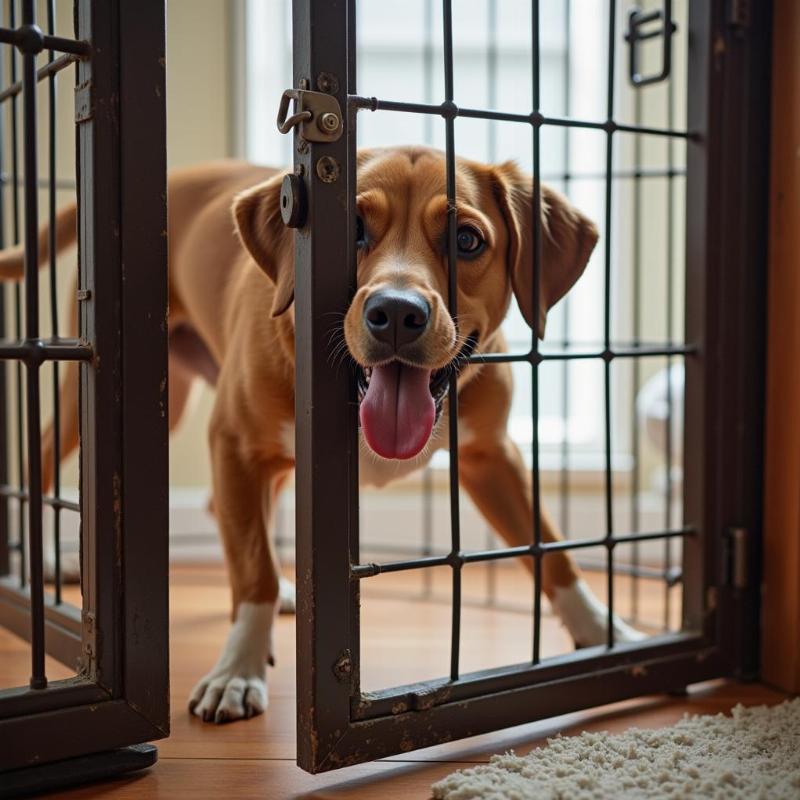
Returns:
(89, 638)
(83, 102)
(739, 12)
(737, 559)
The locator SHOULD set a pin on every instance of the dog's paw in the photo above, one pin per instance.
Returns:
(286, 597)
(236, 688)
(226, 695)
(586, 618)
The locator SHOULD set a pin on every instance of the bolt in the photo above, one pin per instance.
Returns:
(327, 82)
(328, 169)
(328, 122)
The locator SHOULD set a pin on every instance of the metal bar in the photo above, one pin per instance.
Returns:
(53, 502)
(536, 267)
(606, 355)
(492, 57)
(49, 70)
(521, 694)
(5, 453)
(62, 184)
(670, 337)
(450, 111)
(636, 234)
(37, 351)
(38, 678)
(564, 486)
(609, 489)
(19, 408)
(143, 494)
(326, 506)
(370, 570)
(25, 41)
(51, 198)
(427, 475)
(452, 304)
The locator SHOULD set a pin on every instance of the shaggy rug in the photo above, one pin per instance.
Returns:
(752, 755)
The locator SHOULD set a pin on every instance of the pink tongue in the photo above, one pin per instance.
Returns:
(397, 412)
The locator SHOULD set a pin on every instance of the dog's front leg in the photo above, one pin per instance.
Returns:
(496, 478)
(245, 491)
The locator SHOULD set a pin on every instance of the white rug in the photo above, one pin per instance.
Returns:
(752, 755)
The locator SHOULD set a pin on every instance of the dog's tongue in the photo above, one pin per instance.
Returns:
(398, 412)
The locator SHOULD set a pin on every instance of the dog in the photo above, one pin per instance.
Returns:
(231, 323)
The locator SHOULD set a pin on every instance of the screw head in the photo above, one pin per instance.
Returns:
(329, 122)
(328, 169)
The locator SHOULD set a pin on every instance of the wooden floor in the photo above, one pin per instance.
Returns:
(256, 758)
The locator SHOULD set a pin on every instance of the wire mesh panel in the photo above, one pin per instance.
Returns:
(103, 375)
(338, 722)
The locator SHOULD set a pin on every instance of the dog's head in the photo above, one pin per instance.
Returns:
(398, 328)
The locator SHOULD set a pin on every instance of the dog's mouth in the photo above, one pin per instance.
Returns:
(400, 403)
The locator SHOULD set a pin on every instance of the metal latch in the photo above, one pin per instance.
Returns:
(318, 115)
(637, 20)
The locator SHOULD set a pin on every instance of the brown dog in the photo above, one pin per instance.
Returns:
(232, 323)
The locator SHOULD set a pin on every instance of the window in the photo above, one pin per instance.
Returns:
(400, 57)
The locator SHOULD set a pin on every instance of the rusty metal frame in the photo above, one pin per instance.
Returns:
(338, 724)
(120, 695)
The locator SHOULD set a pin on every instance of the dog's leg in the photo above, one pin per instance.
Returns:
(496, 478)
(244, 492)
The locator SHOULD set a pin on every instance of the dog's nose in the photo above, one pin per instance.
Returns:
(396, 317)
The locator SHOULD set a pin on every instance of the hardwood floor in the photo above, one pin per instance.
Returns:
(403, 641)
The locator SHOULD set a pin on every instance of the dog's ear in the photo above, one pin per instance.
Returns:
(568, 238)
(257, 215)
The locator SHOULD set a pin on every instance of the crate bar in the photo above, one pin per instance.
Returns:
(495, 554)
(484, 701)
(5, 538)
(49, 70)
(448, 110)
(326, 433)
(427, 474)
(38, 678)
(54, 502)
(670, 338)
(536, 268)
(606, 355)
(564, 484)
(452, 304)
(492, 57)
(517, 678)
(609, 489)
(19, 408)
(636, 247)
(23, 39)
(51, 208)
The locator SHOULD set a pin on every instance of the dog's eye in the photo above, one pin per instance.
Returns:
(361, 234)
(470, 243)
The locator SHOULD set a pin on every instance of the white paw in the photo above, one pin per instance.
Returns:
(586, 618)
(236, 688)
(286, 597)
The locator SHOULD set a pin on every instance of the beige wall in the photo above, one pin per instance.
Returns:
(199, 114)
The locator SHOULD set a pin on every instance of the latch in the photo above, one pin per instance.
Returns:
(318, 114)
(637, 21)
